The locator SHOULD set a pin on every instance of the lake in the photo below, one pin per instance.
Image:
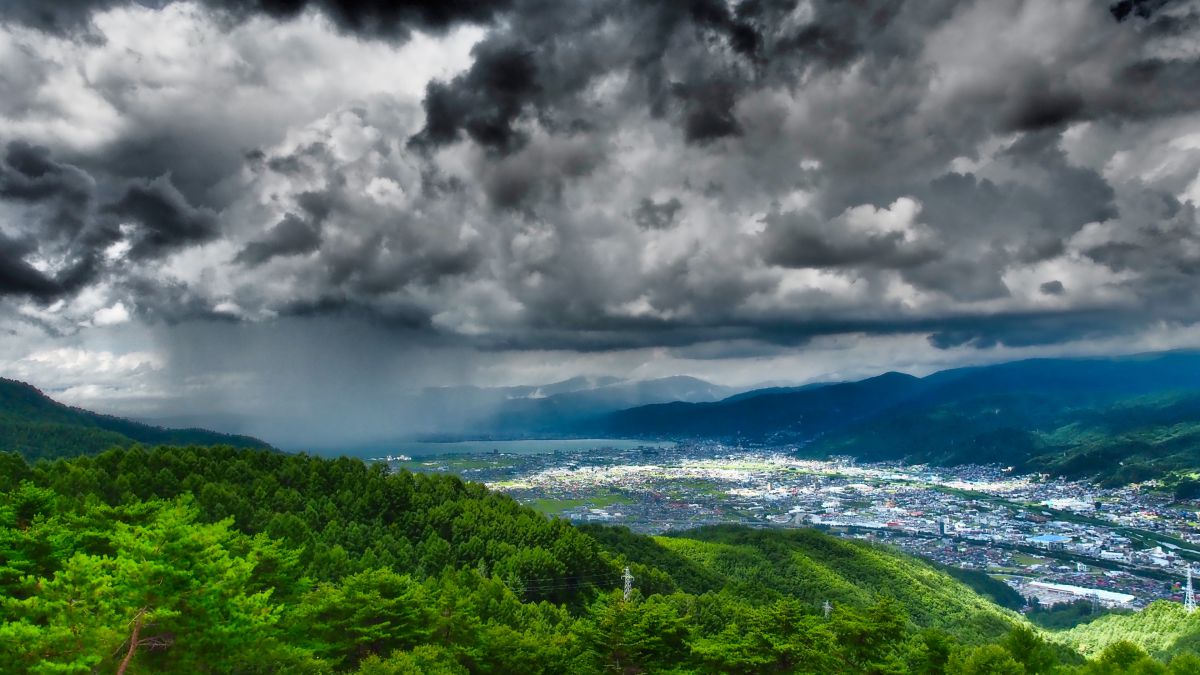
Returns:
(526, 447)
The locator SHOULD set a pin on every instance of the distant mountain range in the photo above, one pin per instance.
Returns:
(553, 408)
(37, 427)
(541, 411)
(1119, 419)
(40, 427)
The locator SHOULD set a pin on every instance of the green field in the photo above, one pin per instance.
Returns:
(556, 506)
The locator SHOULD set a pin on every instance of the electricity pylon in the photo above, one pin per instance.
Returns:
(1189, 597)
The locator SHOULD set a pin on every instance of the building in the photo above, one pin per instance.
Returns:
(1049, 594)
(1050, 541)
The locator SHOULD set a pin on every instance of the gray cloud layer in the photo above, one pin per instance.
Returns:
(607, 174)
(388, 19)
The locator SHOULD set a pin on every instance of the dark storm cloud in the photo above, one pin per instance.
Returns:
(384, 18)
(1054, 287)
(54, 17)
(963, 278)
(485, 101)
(1162, 244)
(1146, 85)
(651, 215)
(1042, 108)
(772, 337)
(290, 236)
(368, 233)
(707, 110)
(984, 226)
(56, 201)
(18, 277)
(551, 52)
(65, 220)
(194, 166)
(1152, 87)
(29, 174)
(1140, 8)
(1034, 329)
(619, 173)
(1062, 199)
(165, 220)
(805, 240)
(377, 18)
(539, 172)
(694, 64)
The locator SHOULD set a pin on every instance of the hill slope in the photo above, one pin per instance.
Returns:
(1120, 420)
(38, 427)
(805, 413)
(241, 559)
(1123, 441)
(807, 565)
(222, 559)
(1163, 629)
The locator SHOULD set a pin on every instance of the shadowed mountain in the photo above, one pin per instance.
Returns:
(38, 427)
(549, 410)
(799, 414)
(778, 390)
(558, 412)
(1118, 419)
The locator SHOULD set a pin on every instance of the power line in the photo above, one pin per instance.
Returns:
(560, 583)
(559, 580)
(543, 584)
(546, 587)
(602, 575)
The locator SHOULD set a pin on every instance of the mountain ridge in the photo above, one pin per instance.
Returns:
(38, 427)
(1123, 419)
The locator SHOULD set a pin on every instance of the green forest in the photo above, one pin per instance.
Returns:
(1131, 440)
(1115, 421)
(222, 559)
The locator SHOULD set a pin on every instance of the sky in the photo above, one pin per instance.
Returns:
(299, 212)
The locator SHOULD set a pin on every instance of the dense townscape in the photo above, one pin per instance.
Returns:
(1053, 539)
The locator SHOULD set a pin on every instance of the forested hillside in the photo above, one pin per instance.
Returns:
(778, 414)
(1130, 440)
(38, 427)
(804, 564)
(1163, 629)
(1118, 420)
(233, 560)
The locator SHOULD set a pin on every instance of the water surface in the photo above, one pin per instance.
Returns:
(416, 449)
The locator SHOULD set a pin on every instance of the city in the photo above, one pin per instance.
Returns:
(1050, 539)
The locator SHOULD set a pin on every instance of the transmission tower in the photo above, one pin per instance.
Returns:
(828, 607)
(1189, 598)
(628, 579)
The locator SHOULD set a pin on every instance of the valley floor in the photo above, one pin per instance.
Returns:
(1053, 539)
